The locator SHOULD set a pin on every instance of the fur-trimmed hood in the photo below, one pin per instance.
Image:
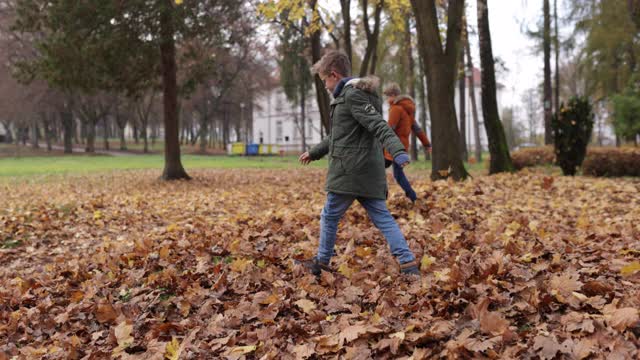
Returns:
(368, 83)
(403, 97)
(406, 102)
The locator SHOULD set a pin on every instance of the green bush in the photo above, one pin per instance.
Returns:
(612, 162)
(626, 111)
(535, 156)
(571, 133)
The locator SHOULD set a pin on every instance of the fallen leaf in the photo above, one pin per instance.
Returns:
(172, 351)
(306, 305)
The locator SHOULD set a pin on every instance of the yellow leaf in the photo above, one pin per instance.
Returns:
(526, 257)
(172, 351)
(345, 270)
(363, 251)
(426, 262)
(243, 349)
(261, 264)
(173, 227)
(306, 305)
(630, 269)
(97, 215)
(178, 2)
(240, 265)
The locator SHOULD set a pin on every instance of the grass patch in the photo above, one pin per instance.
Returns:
(85, 164)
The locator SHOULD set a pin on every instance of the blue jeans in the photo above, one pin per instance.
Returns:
(401, 179)
(334, 209)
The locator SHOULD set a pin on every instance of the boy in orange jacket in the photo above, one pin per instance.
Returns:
(402, 120)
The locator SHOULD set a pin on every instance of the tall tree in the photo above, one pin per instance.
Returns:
(498, 147)
(546, 101)
(372, 35)
(441, 67)
(410, 75)
(345, 7)
(472, 97)
(295, 76)
(462, 98)
(556, 45)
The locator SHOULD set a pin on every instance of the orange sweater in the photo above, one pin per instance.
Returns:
(403, 121)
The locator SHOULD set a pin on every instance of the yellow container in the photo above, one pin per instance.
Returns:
(238, 149)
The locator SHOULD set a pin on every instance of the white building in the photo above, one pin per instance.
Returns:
(277, 121)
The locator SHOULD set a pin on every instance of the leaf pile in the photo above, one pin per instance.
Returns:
(124, 266)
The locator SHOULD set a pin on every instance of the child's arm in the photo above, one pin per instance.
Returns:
(365, 113)
(320, 150)
(421, 135)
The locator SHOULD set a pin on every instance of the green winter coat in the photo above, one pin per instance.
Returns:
(358, 135)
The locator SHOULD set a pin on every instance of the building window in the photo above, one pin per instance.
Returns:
(279, 131)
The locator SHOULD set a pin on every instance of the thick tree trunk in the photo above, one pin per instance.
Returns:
(35, 133)
(66, 117)
(498, 148)
(369, 60)
(462, 113)
(548, 136)
(204, 121)
(472, 97)
(346, 27)
(91, 136)
(441, 67)
(106, 131)
(173, 169)
(557, 51)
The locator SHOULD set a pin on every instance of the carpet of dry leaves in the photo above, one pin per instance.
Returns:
(125, 266)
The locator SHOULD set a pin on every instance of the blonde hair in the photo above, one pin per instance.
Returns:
(393, 89)
(333, 60)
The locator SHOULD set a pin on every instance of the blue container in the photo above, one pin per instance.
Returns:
(252, 149)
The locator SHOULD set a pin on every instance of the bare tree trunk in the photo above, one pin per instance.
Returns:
(303, 117)
(105, 119)
(173, 168)
(548, 137)
(557, 51)
(498, 147)
(369, 60)
(66, 117)
(36, 133)
(48, 131)
(321, 93)
(346, 27)
(411, 79)
(441, 67)
(462, 113)
(472, 97)
(91, 134)
(423, 103)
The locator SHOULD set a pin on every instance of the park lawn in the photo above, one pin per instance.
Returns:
(50, 164)
(27, 166)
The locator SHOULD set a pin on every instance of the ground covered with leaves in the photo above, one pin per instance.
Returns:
(125, 266)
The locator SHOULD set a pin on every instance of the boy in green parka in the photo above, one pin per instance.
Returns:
(354, 145)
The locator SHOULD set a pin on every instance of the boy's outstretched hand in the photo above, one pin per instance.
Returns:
(305, 158)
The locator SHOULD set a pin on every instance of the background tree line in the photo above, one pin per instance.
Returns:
(189, 73)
